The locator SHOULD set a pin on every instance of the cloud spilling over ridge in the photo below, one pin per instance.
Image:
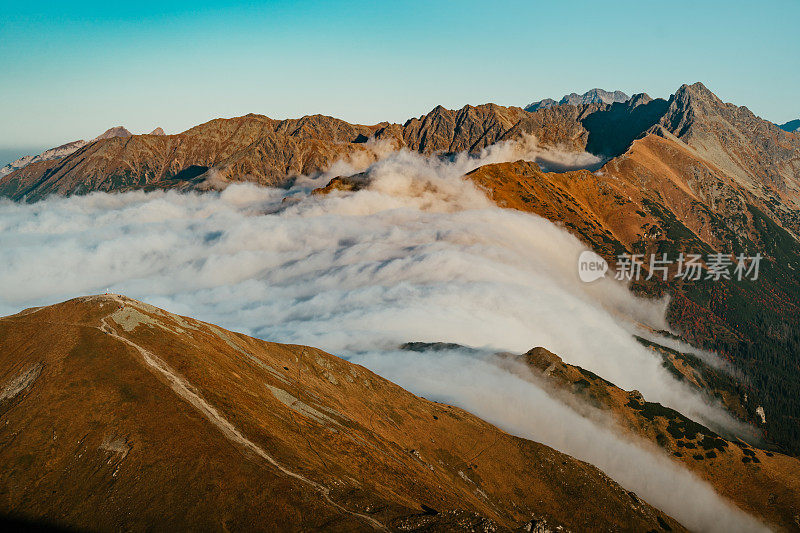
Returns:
(510, 401)
(418, 255)
(381, 157)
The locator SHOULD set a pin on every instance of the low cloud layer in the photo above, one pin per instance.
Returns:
(419, 255)
(502, 394)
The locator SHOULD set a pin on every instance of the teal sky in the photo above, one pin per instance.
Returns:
(72, 69)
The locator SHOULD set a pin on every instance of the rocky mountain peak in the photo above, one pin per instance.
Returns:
(696, 88)
(157, 131)
(696, 95)
(116, 131)
(752, 150)
(639, 99)
(595, 96)
(592, 96)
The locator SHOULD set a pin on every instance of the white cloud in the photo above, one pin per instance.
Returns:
(419, 255)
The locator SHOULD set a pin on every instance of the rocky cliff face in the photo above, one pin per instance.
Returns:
(470, 129)
(761, 156)
(614, 127)
(467, 129)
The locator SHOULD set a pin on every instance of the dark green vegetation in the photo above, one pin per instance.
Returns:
(755, 324)
(716, 382)
(688, 434)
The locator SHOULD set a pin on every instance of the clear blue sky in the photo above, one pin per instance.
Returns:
(70, 70)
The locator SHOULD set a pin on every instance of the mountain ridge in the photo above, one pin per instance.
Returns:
(662, 197)
(272, 152)
(792, 125)
(121, 415)
(66, 149)
(592, 96)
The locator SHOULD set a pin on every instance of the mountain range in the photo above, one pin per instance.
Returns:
(792, 125)
(66, 149)
(593, 96)
(115, 411)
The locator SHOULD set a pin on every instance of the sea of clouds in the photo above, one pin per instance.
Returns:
(418, 255)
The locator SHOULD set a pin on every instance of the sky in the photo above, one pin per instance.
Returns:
(70, 70)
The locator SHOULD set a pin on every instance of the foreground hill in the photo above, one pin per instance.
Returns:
(115, 415)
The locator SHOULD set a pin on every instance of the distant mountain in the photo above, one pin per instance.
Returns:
(754, 152)
(117, 131)
(792, 125)
(157, 131)
(65, 149)
(53, 153)
(594, 96)
(271, 152)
